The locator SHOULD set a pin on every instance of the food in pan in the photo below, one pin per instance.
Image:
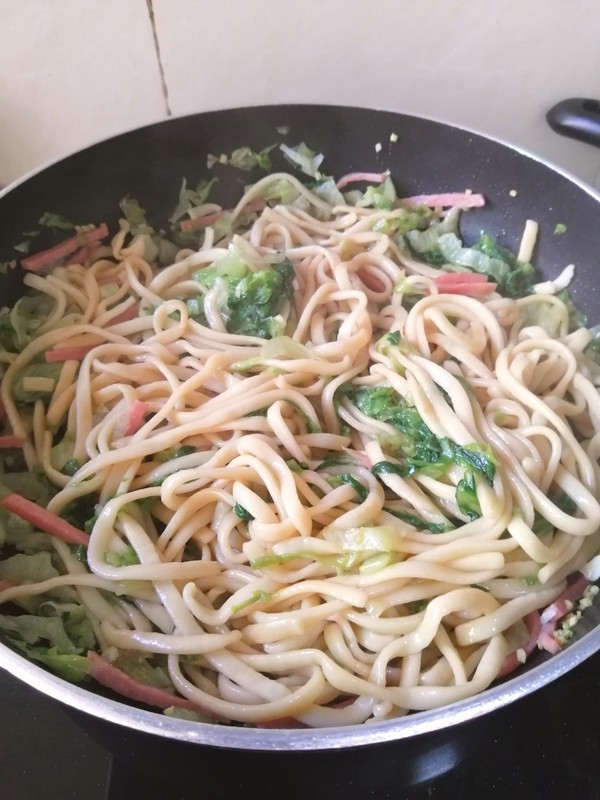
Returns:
(312, 460)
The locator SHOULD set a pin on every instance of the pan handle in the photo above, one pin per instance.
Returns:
(577, 118)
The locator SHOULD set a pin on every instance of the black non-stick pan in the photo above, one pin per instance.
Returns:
(424, 156)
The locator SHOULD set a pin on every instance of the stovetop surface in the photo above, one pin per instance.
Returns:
(542, 747)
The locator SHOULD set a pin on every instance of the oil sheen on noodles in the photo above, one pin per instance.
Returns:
(270, 570)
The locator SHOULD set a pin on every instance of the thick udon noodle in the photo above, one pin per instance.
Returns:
(300, 638)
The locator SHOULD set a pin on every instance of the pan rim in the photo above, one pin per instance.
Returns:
(305, 739)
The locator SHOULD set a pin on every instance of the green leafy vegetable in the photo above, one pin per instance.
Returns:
(70, 467)
(31, 629)
(367, 538)
(50, 220)
(281, 191)
(342, 562)
(135, 215)
(520, 277)
(175, 452)
(246, 159)
(296, 466)
(474, 456)
(259, 596)
(28, 568)
(249, 300)
(382, 196)
(466, 496)
(327, 190)
(417, 522)
(241, 512)
(338, 480)
(541, 526)
(137, 665)
(125, 559)
(191, 198)
(304, 158)
(73, 668)
(33, 485)
(577, 319)
(416, 446)
(441, 244)
(19, 324)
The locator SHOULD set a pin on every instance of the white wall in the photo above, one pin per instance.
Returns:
(75, 71)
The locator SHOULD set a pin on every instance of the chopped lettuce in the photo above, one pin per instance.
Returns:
(405, 221)
(472, 258)
(343, 562)
(31, 630)
(135, 215)
(415, 445)
(22, 568)
(466, 496)
(244, 158)
(346, 477)
(304, 158)
(335, 460)
(73, 668)
(367, 538)
(327, 190)
(249, 301)
(283, 192)
(123, 559)
(382, 196)
(19, 324)
(33, 485)
(20, 535)
(440, 244)
(50, 220)
(138, 666)
(543, 314)
(191, 198)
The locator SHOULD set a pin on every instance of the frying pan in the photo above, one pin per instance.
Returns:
(426, 156)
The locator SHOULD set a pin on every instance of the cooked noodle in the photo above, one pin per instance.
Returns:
(271, 586)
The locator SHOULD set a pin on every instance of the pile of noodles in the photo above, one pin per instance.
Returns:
(429, 621)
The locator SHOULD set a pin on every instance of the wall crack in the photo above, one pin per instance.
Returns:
(161, 70)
